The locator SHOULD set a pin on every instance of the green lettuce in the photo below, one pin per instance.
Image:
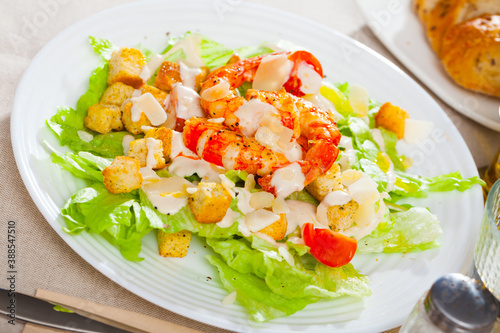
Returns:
(413, 230)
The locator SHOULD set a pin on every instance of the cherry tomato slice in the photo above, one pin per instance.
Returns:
(329, 247)
(299, 57)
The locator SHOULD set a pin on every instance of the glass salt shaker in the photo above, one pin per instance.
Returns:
(454, 304)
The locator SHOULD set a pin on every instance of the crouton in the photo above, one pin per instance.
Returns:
(125, 65)
(168, 75)
(116, 94)
(392, 118)
(210, 202)
(341, 217)
(326, 183)
(277, 230)
(104, 118)
(200, 78)
(174, 245)
(122, 175)
(139, 149)
(158, 94)
(165, 136)
(134, 127)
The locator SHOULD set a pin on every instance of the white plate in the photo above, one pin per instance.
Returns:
(396, 25)
(58, 76)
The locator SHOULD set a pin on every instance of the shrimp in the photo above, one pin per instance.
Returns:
(218, 144)
(218, 95)
(232, 144)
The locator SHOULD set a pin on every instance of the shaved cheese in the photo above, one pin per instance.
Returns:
(219, 91)
(151, 67)
(259, 200)
(191, 48)
(359, 99)
(216, 120)
(228, 184)
(288, 180)
(243, 200)
(310, 79)
(260, 219)
(350, 176)
(229, 299)
(85, 136)
(417, 130)
(272, 73)
(364, 189)
(228, 219)
(250, 182)
(148, 105)
(286, 255)
(280, 206)
(127, 139)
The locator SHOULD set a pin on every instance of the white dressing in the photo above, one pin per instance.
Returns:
(366, 219)
(272, 73)
(288, 180)
(185, 166)
(251, 113)
(310, 79)
(178, 146)
(167, 195)
(188, 75)
(301, 212)
(243, 203)
(286, 255)
(185, 102)
(348, 157)
(151, 144)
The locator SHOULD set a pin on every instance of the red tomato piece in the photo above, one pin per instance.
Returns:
(329, 247)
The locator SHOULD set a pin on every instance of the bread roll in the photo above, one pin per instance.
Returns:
(471, 54)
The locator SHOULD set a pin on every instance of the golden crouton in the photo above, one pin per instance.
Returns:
(200, 78)
(123, 175)
(139, 150)
(277, 230)
(326, 183)
(116, 94)
(134, 127)
(210, 202)
(104, 118)
(158, 94)
(125, 65)
(174, 245)
(165, 136)
(392, 118)
(168, 75)
(341, 217)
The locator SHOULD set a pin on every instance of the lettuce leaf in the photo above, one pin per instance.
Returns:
(413, 230)
(260, 271)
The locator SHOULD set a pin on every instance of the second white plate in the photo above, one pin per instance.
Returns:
(399, 29)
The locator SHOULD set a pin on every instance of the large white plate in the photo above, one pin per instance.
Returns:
(58, 76)
(397, 26)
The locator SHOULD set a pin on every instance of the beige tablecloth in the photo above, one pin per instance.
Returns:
(43, 259)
